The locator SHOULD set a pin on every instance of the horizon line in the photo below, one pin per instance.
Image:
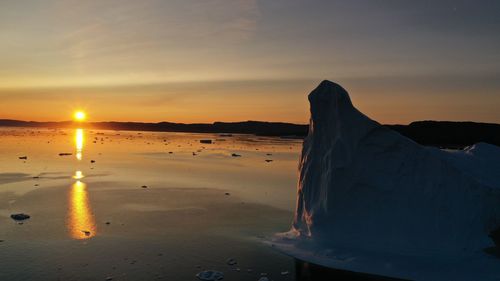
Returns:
(241, 121)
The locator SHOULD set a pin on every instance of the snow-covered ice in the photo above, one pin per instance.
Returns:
(371, 200)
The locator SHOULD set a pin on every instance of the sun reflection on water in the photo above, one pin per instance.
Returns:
(78, 175)
(81, 222)
(79, 143)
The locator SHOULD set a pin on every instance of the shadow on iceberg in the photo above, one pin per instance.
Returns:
(371, 200)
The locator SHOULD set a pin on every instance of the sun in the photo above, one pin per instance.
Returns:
(79, 116)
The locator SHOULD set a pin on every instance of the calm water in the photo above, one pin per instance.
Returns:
(91, 217)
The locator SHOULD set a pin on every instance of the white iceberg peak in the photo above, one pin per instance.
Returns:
(372, 192)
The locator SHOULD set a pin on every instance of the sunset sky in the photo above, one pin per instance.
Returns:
(233, 60)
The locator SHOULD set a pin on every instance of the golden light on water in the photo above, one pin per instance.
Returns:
(78, 175)
(81, 222)
(79, 143)
(79, 116)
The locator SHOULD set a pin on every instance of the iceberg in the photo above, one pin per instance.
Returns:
(371, 200)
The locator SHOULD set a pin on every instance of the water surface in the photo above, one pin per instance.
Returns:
(143, 205)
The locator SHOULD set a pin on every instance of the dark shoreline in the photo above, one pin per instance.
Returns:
(444, 134)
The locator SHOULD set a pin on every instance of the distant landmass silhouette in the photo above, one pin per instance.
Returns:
(434, 133)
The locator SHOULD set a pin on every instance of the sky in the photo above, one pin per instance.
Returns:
(234, 60)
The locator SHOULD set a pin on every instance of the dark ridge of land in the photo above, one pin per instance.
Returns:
(449, 134)
(434, 133)
(246, 127)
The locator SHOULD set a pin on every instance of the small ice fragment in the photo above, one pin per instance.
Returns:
(20, 217)
(231, 261)
(210, 275)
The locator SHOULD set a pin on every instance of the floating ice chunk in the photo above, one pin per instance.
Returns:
(231, 261)
(20, 217)
(210, 275)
